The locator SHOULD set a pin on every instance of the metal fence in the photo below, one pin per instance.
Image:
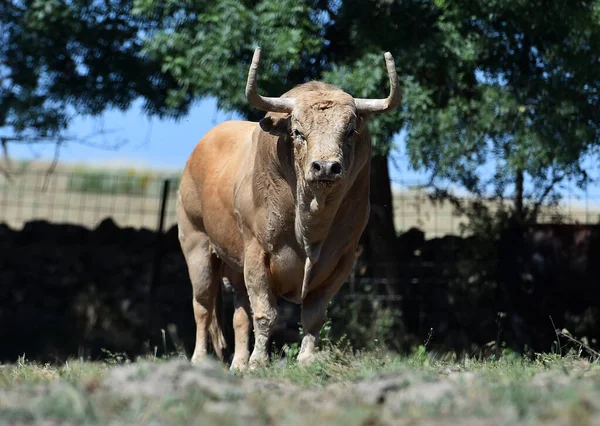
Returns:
(130, 199)
(136, 199)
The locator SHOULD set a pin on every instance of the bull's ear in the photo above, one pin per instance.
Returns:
(275, 126)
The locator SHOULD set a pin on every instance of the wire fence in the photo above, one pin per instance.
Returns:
(135, 199)
(131, 200)
(414, 206)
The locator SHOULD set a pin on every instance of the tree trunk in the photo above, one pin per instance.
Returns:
(381, 195)
(519, 214)
(379, 238)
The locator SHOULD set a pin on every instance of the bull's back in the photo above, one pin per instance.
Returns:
(206, 188)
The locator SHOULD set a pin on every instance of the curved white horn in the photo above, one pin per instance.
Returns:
(377, 106)
(261, 102)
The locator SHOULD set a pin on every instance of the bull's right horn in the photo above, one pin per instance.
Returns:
(377, 106)
(261, 102)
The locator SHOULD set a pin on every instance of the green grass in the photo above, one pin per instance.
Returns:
(334, 390)
(24, 372)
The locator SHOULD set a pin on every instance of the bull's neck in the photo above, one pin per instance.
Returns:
(315, 212)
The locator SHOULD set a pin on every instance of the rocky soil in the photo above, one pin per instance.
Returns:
(175, 392)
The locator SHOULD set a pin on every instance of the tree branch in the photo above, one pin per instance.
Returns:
(5, 170)
(8, 172)
(547, 189)
(52, 166)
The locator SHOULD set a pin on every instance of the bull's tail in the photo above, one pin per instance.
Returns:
(216, 325)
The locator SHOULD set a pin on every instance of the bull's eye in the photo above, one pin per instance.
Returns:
(351, 134)
(298, 134)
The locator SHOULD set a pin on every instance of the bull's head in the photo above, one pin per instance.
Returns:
(324, 124)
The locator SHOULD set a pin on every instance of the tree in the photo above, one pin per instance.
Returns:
(521, 99)
(61, 59)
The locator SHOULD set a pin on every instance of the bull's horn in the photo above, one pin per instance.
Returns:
(377, 106)
(261, 102)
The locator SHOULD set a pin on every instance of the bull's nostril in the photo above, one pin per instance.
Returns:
(326, 170)
(336, 168)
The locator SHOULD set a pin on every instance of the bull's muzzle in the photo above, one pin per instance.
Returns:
(326, 170)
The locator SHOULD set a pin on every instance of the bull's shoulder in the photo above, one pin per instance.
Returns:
(227, 142)
(228, 133)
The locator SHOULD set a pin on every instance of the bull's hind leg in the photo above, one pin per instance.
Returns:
(205, 274)
(241, 327)
(203, 268)
(241, 321)
(314, 308)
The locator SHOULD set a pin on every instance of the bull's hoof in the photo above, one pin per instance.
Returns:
(198, 357)
(258, 361)
(306, 358)
(238, 366)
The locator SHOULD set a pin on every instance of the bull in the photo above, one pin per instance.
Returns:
(277, 208)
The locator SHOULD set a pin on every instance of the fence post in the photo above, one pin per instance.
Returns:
(158, 255)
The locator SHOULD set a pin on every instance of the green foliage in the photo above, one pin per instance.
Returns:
(365, 324)
(520, 98)
(60, 59)
(105, 183)
(420, 356)
(112, 358)
(207, 46)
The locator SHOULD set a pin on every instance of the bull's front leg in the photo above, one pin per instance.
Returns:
(314, 308)
(262, 301)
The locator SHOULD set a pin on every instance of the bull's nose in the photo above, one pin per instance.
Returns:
(326, 170)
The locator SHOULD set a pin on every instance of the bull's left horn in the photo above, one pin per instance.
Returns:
(261, 102)
(377, 106)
